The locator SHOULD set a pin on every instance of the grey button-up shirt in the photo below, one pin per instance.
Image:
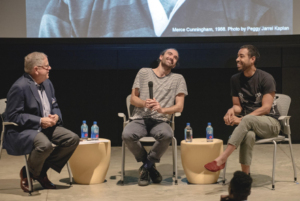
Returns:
(44, 99)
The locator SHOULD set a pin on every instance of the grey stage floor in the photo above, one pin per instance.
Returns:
(261, 170)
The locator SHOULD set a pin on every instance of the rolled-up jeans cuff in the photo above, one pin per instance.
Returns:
(141, 159)
(153, 160)
(245, 163)
(232, 143)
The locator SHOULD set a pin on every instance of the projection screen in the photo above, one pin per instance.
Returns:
(155, 18)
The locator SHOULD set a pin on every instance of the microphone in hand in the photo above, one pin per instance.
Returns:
(150, 85)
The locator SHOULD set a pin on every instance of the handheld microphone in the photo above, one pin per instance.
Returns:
(150, 85)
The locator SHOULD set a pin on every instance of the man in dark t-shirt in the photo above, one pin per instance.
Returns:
(250, 91)
(253, 97)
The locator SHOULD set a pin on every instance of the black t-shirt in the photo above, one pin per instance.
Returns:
(251, 90)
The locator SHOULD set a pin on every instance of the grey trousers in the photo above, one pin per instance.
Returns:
(45, 156)
(136, 129)
(245, 133)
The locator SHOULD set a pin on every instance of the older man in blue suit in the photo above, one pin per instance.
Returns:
(31, 104)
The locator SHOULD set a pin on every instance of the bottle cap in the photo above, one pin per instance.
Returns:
(95, 122)
(209, 124)
(188, 124)
(84, 121)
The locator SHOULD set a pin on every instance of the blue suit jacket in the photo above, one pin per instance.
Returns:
(24, 108)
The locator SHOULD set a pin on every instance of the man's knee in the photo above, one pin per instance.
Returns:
(44, 147)
(72, 140)
(75, 139)
(164, 135)
(128, 135)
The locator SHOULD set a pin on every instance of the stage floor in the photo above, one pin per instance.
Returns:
(261, 171)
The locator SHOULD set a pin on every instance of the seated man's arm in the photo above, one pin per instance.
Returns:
(235, 110)
(178, 107)
(135, 99)
(15, 110)
(267, 102)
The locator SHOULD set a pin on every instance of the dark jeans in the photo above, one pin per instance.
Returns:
(45, 156)
(136, 129)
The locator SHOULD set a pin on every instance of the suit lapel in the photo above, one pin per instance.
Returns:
(36, 95)
(48, 92)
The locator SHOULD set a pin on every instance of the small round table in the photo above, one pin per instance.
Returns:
(195, 154)
(90, 161)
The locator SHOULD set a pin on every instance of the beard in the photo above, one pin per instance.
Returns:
(167, 65)
(243, 66)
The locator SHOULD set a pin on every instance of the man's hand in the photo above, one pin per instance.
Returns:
(148, 103)
(153, 105)
(47, 122)
(235, 121)
(157, 107)
(228, 116)
(55, 117)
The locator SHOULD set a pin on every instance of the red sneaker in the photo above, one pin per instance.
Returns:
(212, 166)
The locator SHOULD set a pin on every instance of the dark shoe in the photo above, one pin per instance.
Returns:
(212, 166)
(45, 182)
(144, 178)
(155, 175)
(24, 181)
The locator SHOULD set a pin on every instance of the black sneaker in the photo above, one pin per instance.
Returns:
(144, 178)
(155, 175)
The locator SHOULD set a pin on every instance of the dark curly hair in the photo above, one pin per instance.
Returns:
(240, 185)
(252, 52)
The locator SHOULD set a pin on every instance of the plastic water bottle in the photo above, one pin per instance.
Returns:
(84, 130)
(209, 133)
(95, 131)
(188, 133)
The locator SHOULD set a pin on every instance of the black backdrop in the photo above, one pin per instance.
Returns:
(92, 77)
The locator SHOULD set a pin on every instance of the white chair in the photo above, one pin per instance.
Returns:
(2, 110)
(149, 140)
(283, 104)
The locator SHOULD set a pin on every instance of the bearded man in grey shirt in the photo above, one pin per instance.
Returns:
(151, 116)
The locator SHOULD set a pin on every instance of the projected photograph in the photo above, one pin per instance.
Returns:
(158, 18)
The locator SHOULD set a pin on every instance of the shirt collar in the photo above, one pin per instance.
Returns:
(35, 81)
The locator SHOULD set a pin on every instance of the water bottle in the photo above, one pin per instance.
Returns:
(209, 133)
(95, 131)
(84, 131)
(188, 133)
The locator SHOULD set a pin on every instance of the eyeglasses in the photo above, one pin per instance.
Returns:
(45, 67)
